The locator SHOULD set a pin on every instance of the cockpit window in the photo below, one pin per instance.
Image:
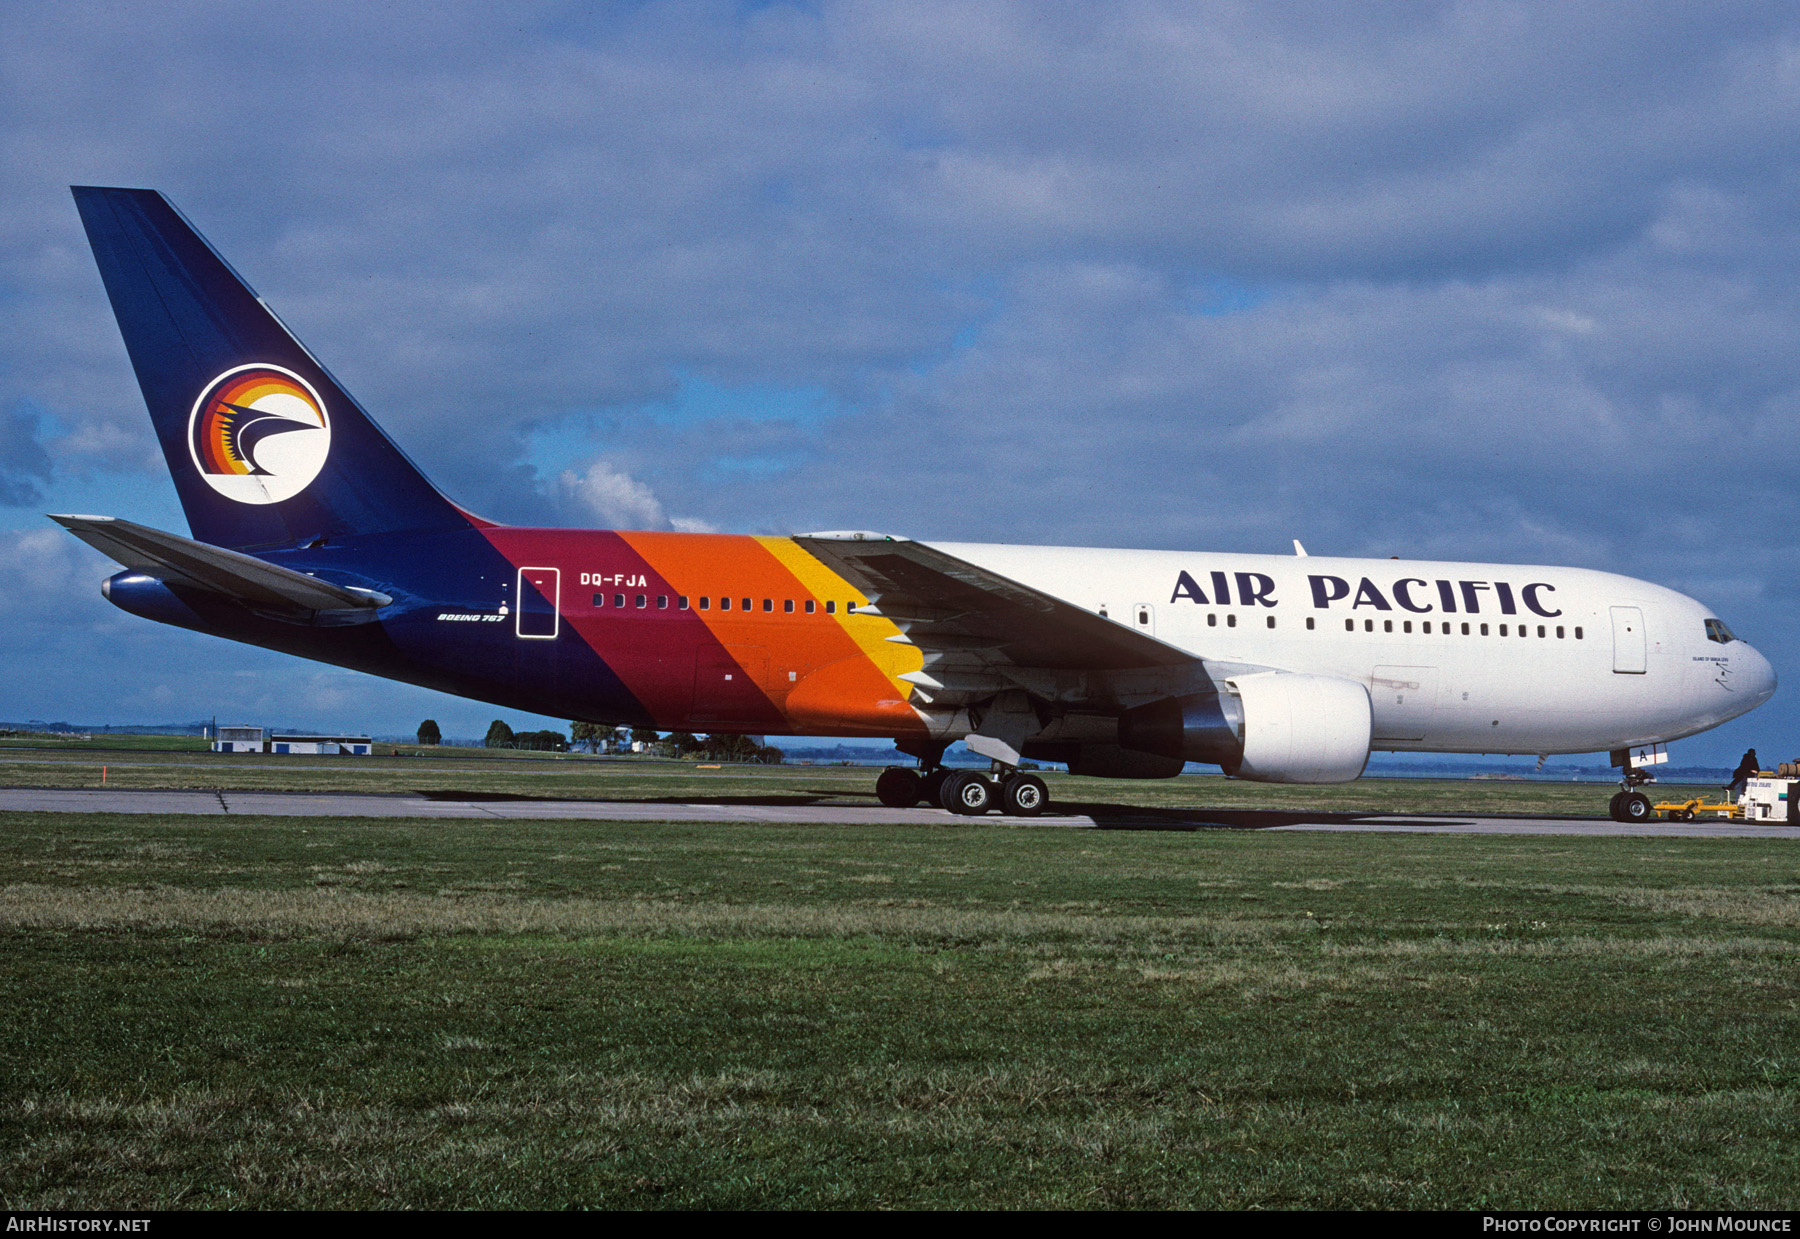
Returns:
(1716, 631)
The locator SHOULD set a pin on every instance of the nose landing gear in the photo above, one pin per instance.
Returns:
(1628, 804)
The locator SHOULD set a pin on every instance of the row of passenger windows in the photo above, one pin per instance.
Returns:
(1445, 627)
(642, 603)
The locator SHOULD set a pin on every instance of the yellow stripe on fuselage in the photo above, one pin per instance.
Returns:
(870, 632)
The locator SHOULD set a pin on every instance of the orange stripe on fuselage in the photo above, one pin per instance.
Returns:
(829, 674)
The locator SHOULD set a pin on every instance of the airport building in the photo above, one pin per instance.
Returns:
(345, 746)
(256, 740)
(237, 740)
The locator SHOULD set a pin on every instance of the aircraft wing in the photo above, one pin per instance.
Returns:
(960, 613)
(182, 561)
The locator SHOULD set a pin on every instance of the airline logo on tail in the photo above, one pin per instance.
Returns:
(259, 434)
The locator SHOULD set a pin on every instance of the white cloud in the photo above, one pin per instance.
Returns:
(616, 499)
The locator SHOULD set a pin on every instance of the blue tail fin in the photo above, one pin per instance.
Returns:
(266, 449)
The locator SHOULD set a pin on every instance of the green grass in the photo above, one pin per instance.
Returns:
(319, 1012)
(107, 742)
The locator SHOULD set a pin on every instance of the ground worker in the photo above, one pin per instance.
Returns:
(1746, 770)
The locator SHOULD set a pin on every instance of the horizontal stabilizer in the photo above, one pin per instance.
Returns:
(176, 560)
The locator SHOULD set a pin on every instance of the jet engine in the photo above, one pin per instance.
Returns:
(1273, 727)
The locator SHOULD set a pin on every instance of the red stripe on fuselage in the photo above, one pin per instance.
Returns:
(653, 650)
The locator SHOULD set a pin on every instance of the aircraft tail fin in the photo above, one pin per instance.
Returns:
(266, 449)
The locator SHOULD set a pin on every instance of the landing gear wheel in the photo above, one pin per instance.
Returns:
(931, 786)
(967, 793)
(1635, 807)
(898, 788)
(1023, 795)
(1612, 807)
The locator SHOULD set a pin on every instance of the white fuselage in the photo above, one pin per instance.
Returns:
(1458, 657)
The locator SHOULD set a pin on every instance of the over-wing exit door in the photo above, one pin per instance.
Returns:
(1402, 700)
(539, 594)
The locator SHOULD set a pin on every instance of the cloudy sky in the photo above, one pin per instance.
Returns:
(1491, 281)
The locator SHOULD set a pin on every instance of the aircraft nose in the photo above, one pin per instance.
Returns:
(1759, 674)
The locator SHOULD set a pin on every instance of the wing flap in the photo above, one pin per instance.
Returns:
(183, 561)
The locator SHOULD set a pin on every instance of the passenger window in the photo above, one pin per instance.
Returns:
(706, 604)
(1484, 630)
(618, 600)
(1502, 630)
(768, 604)
(746, 605)
(1578, 632)
(1271, 621)
(724, 604)
(1309, 623)
(1231, 621)
(831, 608)
(809, 606)
(642, 602)
(1212, 621)
(788, 605)
(1387, 625)
(1406, 627)
(1425, 628)
(1540, 630)
(681, 603)
(599, 600)
(662, 602)
(1559, 632)
(1465, 631)
(1349, 625)
(1368, 625)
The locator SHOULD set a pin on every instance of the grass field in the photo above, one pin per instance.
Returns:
(319, 1012)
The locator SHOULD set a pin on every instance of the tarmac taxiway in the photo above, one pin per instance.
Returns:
(224, 803)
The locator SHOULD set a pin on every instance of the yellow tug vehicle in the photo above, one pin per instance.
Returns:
(1687, 810)
(1770, 796)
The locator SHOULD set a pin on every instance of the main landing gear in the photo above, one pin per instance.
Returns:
(1628, 804)
(969, 793)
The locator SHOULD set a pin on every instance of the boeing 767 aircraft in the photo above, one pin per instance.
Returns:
(314, 534)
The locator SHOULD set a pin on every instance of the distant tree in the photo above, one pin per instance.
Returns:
(589, 734)
(722, 747)
(621, 739)
(769, 755)
(429, 733)
(684, 743)
(645, 736)
(499, 736)
(541, 741)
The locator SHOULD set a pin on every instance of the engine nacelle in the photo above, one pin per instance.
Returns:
(1273, 727)
(1302, 728)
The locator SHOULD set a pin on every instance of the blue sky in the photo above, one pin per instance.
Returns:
(1505, 281)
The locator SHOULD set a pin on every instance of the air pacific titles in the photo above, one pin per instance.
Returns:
(1407, 593)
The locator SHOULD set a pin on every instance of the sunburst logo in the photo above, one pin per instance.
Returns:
(259, 434)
